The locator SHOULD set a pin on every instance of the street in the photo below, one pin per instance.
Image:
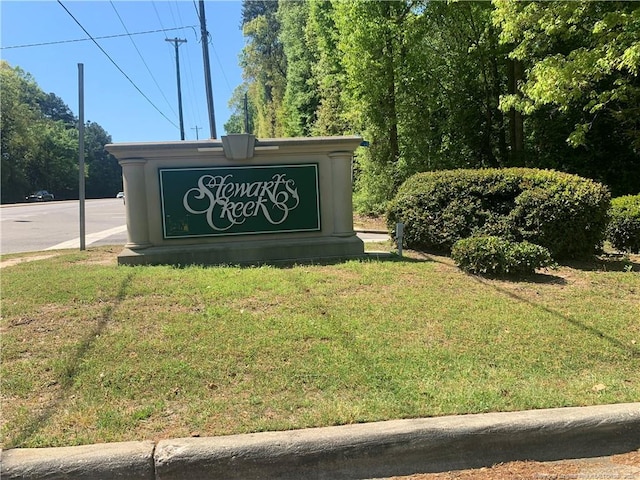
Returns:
(30, 227)
(33, 227)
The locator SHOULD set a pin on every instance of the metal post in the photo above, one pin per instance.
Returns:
(207, 70)
(399, 235)
(81, 192)
(176, 43)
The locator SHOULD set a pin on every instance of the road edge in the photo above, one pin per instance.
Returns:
(360, 451)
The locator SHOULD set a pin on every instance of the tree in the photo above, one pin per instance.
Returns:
(581, 62)
(371, 35)
(54, 108)
(39, 144)
(18, 111)
(584, 54)
(104, 173)
(52, 163)
(264, 65)
(300, 101)
(238, 105)
(328, 76)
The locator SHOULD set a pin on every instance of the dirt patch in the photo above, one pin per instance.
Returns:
(15, 261)
(617, 467)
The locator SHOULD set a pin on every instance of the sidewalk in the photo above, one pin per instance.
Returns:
(362, 451)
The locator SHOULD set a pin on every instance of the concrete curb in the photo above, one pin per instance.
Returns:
(373, 450)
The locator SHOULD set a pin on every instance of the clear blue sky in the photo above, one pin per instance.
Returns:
(147, 59)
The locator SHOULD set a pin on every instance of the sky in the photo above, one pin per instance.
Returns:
(141, 104)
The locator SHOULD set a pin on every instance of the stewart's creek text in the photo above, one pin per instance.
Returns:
(227, 203)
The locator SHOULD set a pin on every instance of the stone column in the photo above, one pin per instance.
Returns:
(342, 194)
(135, 197)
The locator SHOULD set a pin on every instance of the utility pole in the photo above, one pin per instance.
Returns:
(176, 43)
(207, 69)
(246, 113)
(196, 128)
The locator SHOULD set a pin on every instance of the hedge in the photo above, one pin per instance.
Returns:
(496, 256)
(564, 213)
(623, 230)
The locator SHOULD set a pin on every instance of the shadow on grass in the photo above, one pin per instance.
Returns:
(539, 278)
(70, 372)
(612, 262)
(632, 350)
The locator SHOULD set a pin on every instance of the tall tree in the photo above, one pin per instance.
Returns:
(52, 164)
(328, 75)
(104, 174)
(264, 65)
(300, 101)
(54, 108)
(582, 63)
(18, 112)
(371, 35)
(241, 107)
(39, 144)
(582, 53)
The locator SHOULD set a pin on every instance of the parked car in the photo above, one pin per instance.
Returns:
(120, 195)
(39, 196)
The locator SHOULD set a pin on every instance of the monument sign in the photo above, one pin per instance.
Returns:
(239, 200)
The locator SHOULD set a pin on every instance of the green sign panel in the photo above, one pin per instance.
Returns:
(213, 201)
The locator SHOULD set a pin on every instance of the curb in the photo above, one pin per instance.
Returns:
(372, 450)
(365, 230)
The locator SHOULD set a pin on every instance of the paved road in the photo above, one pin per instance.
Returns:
(55, 225)
(52, 225)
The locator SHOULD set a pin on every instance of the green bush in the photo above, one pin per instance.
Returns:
(496, 256)
(565, 213)
(623, 230)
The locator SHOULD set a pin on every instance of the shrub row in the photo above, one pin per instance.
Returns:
(564, 213)
(497, 256)
(623, 230)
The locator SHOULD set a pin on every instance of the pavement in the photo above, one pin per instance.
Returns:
(360, 451)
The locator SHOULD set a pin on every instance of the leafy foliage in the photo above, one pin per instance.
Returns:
(40, 144)
(496, 256)
(565, 213)
(444, 85)
(623, 230)
(581, 54)
(264, 65)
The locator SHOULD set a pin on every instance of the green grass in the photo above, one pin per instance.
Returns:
(93, 352)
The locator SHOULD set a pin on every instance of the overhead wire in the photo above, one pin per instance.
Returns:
(142, 58)
(116, 65)
(210, 42)
(57, 42)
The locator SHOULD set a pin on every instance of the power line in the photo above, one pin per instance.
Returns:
(96, 38)
(142, 57)
(116, 65)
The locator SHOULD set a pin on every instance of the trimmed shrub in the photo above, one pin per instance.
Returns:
(564, 213)
(496, 256)
(623, 230)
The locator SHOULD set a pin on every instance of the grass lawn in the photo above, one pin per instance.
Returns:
(93, 352)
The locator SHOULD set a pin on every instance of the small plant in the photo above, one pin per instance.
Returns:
(623, 230)
(496, 256)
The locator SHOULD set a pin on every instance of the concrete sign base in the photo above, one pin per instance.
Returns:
(272, 252)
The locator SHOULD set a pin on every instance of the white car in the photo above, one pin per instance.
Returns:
(120, 195)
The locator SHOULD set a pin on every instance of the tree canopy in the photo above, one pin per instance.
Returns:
(439, 85)
(39, 144)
